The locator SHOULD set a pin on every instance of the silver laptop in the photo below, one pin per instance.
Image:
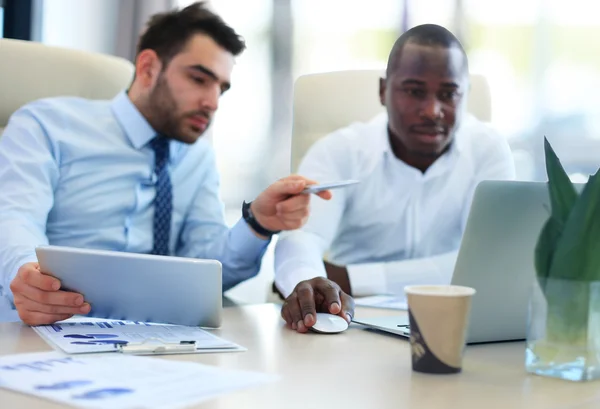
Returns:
(496, 257)
(139, 287)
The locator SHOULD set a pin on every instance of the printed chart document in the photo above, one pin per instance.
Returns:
(81, 335)
(382, 301)
(119, 381)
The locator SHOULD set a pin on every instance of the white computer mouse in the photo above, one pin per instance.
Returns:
(329, 324)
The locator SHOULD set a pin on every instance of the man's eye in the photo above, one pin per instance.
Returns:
(414, 92)
(199, 80)
(448, 95)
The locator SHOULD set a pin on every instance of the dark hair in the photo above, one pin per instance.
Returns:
(426, 34)
(168, 33)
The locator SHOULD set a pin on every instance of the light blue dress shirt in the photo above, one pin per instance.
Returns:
(80, 173)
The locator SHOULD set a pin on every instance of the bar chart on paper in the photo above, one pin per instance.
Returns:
(93, 335)
(120, 381)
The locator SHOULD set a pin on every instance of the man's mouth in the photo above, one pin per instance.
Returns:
(199, 122)
(429, 130)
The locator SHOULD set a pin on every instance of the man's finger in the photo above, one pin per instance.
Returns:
(293, 224)
(295, 312)
(288, 187)
(23, 303)
(329, 291)
(347, 310)
(36, 278)
(306, 299)
(298, 215)
(283, 309)
(295, 177)
(331, 296)
(325, 194)
(287, 317)
(60, 298)
(293, 204)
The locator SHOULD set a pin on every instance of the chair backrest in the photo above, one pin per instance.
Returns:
(30, 71)
(328, 101)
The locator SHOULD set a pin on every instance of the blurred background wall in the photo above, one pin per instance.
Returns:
(540, 57)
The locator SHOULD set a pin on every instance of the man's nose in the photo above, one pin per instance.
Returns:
(431, 108)
(210, 100)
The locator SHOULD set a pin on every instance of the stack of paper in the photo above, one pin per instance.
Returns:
(120, 381)
(78, 336)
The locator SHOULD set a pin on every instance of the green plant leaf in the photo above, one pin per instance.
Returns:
(562, 192)
(562, 199)
(577, 254)
(546, 244)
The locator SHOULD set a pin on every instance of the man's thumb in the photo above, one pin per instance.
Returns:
(289, 187)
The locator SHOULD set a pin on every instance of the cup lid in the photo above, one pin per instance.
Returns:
(444, 290)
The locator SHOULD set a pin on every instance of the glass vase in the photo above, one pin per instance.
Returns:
(563, 334)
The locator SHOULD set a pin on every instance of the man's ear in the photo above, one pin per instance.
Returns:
(382, 85)
(147, 68)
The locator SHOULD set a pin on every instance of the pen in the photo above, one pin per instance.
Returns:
(146, 348)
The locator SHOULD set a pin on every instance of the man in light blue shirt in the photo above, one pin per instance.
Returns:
(130, 174)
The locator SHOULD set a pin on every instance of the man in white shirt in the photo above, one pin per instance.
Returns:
(418, 165)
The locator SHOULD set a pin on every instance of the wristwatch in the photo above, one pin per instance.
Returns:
(252, 222)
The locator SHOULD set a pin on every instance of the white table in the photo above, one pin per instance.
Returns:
(355, 369)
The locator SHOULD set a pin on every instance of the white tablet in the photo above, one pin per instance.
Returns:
(139, 287)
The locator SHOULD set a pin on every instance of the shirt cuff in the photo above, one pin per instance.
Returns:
(367, 279)
(286, 283)
(245, 243)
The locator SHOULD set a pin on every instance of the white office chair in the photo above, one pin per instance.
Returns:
(328, 101)
(30, 71)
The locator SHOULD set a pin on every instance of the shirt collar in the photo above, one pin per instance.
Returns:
(136, 127)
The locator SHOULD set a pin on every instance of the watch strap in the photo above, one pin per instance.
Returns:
(252, 222)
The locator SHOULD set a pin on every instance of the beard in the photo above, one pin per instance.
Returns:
(162, 112)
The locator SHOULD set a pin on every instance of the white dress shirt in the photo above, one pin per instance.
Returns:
(398, 226)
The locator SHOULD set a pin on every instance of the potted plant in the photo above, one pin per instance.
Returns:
(563, 338)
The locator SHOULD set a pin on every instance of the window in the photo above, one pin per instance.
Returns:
(537, 57)
(241, 131)
(1, 18)
(16, 19)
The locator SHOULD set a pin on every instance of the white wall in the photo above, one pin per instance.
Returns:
(89, 25)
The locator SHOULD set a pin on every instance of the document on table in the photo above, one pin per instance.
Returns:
(382, 301)
(120, 381)
(86, 335)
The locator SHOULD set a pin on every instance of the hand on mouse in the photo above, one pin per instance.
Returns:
(40, 301)
(312, 296)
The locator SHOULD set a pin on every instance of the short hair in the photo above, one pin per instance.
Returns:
(426, 34)
(168, 33)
